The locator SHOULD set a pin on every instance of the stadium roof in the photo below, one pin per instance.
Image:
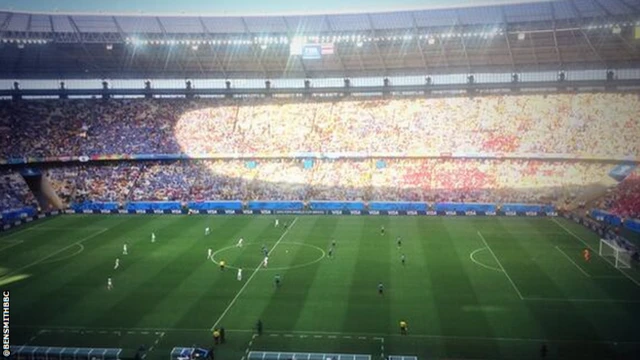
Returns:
(566, 34)
(241, 8)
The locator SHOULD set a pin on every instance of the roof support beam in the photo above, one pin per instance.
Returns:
(299, 58)
(166, 60)
(168, 56)
(336, 52)
(556, 48)
(506, 38)
(573, 34)
(92, 60)
(631, 5)
(6, 21)
(443, 52)
(604, 9)
(575, 41)
(593, 49)
(375, 45)
(197, 58)
(464, 46)
(414, 24)
(219, 62)
(358, 52)
(466, 55)
(256, 57)
(513, 61)
(533, 50)
(631, 49)
(216, 58)
(575, 8)
(122, 36)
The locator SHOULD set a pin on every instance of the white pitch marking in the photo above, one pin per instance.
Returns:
(479, 263)
(610, 301)
(573, 262)
(80, 249)
(233, 301)
(501, 267)
(592, 249)
(10, 243)
(55, 253)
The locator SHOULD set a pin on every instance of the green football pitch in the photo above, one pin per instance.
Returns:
(471, 287)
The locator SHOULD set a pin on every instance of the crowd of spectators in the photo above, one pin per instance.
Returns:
(14, 192)
(105, 182)
(431, 180)
(624, 200)
(588, 124)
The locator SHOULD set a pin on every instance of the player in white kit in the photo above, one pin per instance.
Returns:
(277, 223)
(209, 254)
(153, 237)
(207, 231)
(117, 265)
(239, 276)
(265, 262)
(109, 284)
(240, 242)
(124, 249)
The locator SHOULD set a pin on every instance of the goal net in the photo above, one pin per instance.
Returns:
(620, 257)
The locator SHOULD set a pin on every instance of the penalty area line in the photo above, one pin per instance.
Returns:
(79, 242)
(233, 301)
(592, 249)
(573, 262)
(9, 243)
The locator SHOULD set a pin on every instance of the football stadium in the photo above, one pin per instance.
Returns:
(408, 180)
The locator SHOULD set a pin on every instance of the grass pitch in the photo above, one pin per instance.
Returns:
(471, 287)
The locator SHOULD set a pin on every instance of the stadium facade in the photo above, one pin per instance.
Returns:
(554, 35)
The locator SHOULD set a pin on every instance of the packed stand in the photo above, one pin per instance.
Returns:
(589, 124)
(429, 180)
(109, 182)
(624, 200)
(14, 193)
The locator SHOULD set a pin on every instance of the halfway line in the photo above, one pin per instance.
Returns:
(501, 267)
(251, 277)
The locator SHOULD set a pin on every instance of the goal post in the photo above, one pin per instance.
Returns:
(610, 250)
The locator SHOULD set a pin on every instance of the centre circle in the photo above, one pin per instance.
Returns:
(287, 256)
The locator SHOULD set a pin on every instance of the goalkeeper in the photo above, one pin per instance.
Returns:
(403, 327)
(586, 254)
